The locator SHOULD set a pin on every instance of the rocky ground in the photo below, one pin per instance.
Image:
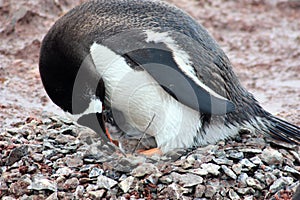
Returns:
(46, 156)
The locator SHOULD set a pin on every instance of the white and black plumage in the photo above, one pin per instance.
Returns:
(159, 71)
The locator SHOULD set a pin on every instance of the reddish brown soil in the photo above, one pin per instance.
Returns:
(261, 38)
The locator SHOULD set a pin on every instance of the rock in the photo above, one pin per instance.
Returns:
(16, 154)
(53, 196)
(126, 184)
(79, 192)
(3, 185)
(64, 139)
(71, 184)
(210, 191)
(95, 172)
(229, 172)
(271, 156)
(259, 176)
(292, 170)
(38, 157)
(222, 161)
(186, 180)
(242, 179)
(236, 155)
(280, 183)
(199, 191)
(250, 150)
(256, 160)
(64, 171)
(211, 168)
(166, 179)
(39, 182)
(199, 171)
(144, 169)
(20, 187)
(105, 182)
(86, 168)
(74, 162)
(233, 195)
(244, 191)
(174, 191)
(237, 168)
(254, 183)
(247, 163)
(152, 178)
(270, 178)
(96, 194)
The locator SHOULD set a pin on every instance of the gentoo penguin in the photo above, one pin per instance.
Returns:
(160, 73)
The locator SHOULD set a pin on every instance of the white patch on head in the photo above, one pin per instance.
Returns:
(181, 57)
(95, 106)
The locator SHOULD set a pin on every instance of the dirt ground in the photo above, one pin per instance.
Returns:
(261, 38)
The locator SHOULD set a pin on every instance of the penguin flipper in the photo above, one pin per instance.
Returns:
(160, 64)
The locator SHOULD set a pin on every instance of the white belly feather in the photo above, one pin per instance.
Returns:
(142, 101)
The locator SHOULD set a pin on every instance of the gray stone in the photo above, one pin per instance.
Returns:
(91, 187)
(96, 194)
(242, 179)
(229, 172)
(145, 169)
(186, 180)
(296, 155)
(244, 191)
(199, 171)
(270, 178)
(20, 187)
(105, 182)
(166, 179)
(259, 176)
(250, 150)
(210, 191)
(174, 191)
(64, 139)
(71, 183)
(79, 192)
(280, 183)
(16, 154)
(53, 196)
(222, 161)
(38, 157)
(249, 197)
(126, 184)
(95, 172)
(247, 163)
(254, 183)
(152, 178)
(64, 171)
(199, 191)
(271, 156)
(290, 169)
(39, 182)
(233, 195)
(211, 168)
(256, 160)
(236, 155)
(74, 162)
(237, 168)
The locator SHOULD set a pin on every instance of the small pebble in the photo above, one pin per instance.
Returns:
(229, 172)
(271, 156)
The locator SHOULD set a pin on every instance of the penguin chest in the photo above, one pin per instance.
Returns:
(141, 103)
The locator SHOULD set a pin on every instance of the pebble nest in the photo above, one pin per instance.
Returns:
(54, 158)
